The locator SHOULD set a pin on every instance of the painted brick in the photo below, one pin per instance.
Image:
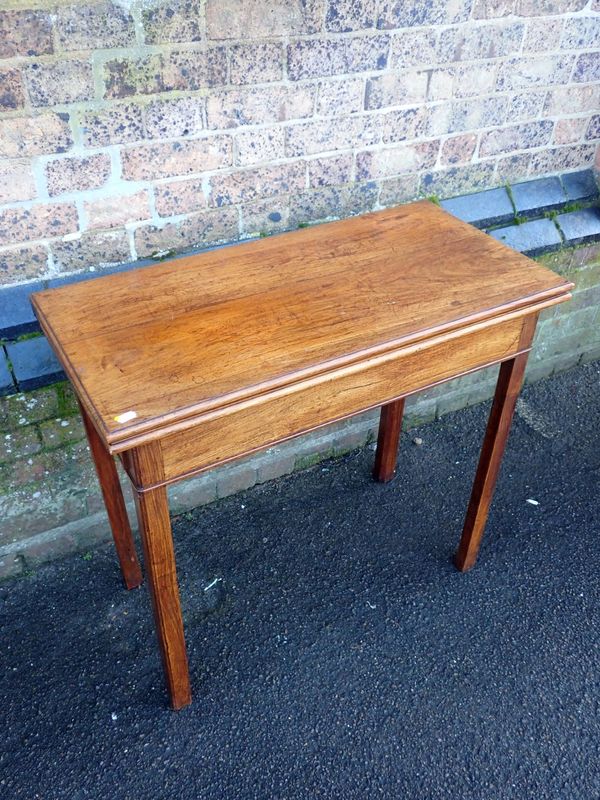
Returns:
(310, 138)
(491, 9)
(409, 123)
(176, 21)
(580, 226)
(406, 13)
(536, 8)
(396, 90)
(40, 221)
(484, 41)
(62, 82)
(524, 73)
(258, 106)
(248, 185)
(259, 146)
(34, 363)
(12, 90)
(543, 35)
(402, 189)
(179, 197)
(94, 26)
(16, 181)
(25, 33)
(516, 137)
(395, 160)
(23, 263)
(31, 136)
(350, 15)
(247, 19)
(330, 171)
(413, 49)
(167, 119)
(482, 209)
(532, 238)
(16, 313)
(457, 180)
(347, 95)
(567, 131)
(580, 186)
(77, 174)
(164, 159)
(117, 211)
(332, 202)
(593, 129)
(458, 149)
(534, 197)
(315, 58)
(7, 386)
(91, 249)
(256, 63)
(204, 228)
(175, 70)
(120, 123)
(267, 215)
(574, 98)
(587, 68)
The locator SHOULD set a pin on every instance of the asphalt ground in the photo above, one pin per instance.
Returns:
(335, 652)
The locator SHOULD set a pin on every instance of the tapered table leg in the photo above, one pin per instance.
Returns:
(496, 435)
(115, 505)
(390, 425)
(159, 560)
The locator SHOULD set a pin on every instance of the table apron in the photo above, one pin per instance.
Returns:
(264, 421)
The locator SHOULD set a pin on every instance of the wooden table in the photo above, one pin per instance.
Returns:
(197, 361)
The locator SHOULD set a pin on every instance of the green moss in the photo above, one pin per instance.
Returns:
(433, 198)
(303, 224)
(303, 462)
(65, 399)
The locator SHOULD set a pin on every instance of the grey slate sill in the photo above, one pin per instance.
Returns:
(580, 227)
(533, 238)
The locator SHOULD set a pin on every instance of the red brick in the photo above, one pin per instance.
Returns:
(259, 105)
(409, 13)
(12, 91)
(77, 174)
(543, 35)
(526, 106)
(489, 9)
(399, 190)
(204, 228)
(313, 58)
(16, 181)
(559, 159)
(513, 169)
(179, 197)
(516, 137)
(351, 15)
(40, 221)
(345, 96)
(567, 131)
(332, 202)
(247, 19)
(467, 43)
(62, 82)
(186, 70)
(94, 26)
(259, 146)
(396, 160)
(186, 157)
(266, 215)
(572, 99)
(176, 21)
(525, 73)
(537, 8)
(23, 263)
(167, 119)
(31, 136)
(248, 185)
(25, 33)
(408, 123)
(310, 138)
(115, 212)
(330, 170)
(91, 250)
(256, 63)
(458, 149)
(121, 122)
(413, 49)
(396, 90)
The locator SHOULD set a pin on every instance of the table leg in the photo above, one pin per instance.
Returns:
(390, 425)
(159, 559)
(112, 493)
(496, 435)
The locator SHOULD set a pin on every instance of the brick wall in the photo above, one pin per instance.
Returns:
(137, 127)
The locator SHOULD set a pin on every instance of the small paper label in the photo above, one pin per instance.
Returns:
(126, 417)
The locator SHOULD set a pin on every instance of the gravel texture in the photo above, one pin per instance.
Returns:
(334, 650)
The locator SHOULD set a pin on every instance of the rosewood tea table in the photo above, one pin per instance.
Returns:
(199, 360)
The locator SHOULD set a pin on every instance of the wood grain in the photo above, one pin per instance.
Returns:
(159, 559)
(164, 344)
(115, 505)
(386, 455)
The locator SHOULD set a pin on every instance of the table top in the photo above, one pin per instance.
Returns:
(166, 343)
